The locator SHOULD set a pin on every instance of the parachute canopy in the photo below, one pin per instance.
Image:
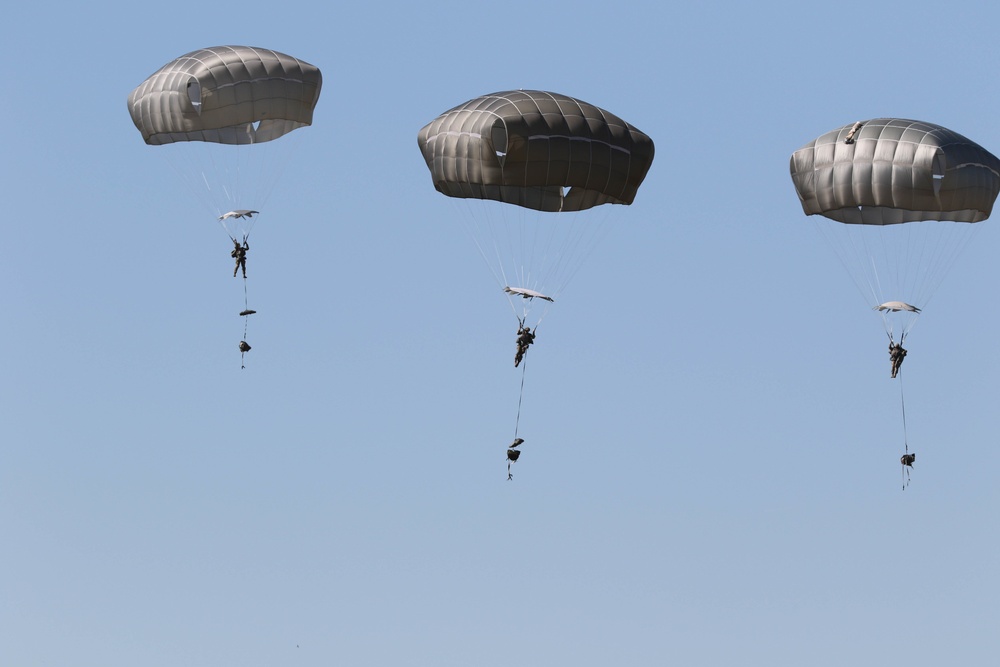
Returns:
(226, 95)
(890, 170)
(535, 149)
(904, 187)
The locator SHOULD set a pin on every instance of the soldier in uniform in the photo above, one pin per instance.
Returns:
(525, 337)
(239, 253)
(896, 355)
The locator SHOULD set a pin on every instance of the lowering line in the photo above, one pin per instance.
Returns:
(520, 398)
(902, 405)
(246, 309)
(907, 459)
(896, 355)
(245, 314)
(512, 452)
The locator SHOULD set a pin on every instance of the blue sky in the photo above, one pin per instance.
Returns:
(710, 474)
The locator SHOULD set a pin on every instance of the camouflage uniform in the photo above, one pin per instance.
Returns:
(896, 354)
(239, 253)
(524, 339)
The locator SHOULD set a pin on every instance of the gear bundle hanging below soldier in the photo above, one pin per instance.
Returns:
(907, 462)
(512, 454)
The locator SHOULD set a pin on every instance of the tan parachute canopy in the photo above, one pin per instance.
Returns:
(877, 175)
(226, 95)
(535, 149)
(905, 188)
(890, 170)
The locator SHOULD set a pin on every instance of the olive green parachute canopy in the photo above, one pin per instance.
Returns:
(226, 95)
(889, 171)
(535, 149)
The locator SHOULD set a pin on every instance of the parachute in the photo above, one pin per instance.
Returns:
(901, 195)
(525, 147)
(234, 95)
(218, 112)
(534, 169)
(511, 154)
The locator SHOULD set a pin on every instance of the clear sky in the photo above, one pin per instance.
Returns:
(710, 474)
